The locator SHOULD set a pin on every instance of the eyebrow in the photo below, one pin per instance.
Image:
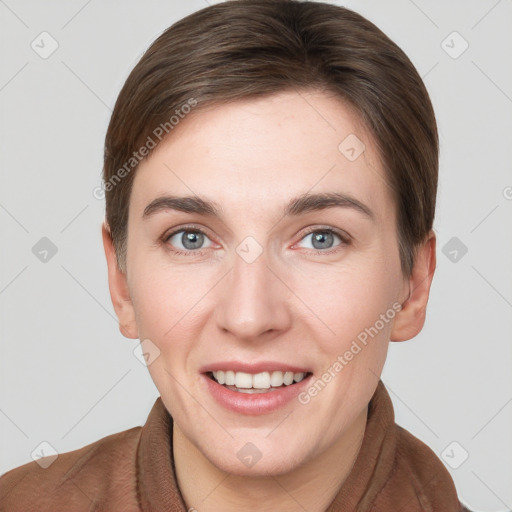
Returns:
(300, 205)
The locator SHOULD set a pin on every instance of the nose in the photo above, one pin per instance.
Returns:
(253, 301)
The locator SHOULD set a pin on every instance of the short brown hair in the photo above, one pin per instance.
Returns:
(251, 48)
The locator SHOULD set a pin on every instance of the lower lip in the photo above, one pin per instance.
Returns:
(254, 404)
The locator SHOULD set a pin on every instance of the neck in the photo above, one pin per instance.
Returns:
(312, 486)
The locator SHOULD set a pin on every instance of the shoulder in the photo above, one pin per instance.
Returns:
(426, 475)
(426, 467)
(76, 480)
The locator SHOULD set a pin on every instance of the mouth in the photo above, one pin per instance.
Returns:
(255, 388)
(255, 383)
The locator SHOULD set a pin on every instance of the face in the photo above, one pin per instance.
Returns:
(269, 296)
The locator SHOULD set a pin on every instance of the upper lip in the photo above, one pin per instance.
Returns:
(263, 366)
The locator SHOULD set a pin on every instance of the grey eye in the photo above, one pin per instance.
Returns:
(189, 240)
(322, 239)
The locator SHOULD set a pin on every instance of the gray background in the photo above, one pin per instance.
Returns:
(68, 377)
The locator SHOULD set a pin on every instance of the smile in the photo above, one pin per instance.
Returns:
(262, 382)
(254, 388)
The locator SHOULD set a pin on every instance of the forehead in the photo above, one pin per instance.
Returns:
(253, 155)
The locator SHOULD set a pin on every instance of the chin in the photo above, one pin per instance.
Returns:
(251, 459)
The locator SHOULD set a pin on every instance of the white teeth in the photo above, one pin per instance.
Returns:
(243, 380)
(263, 380)
(230, 378)
(288, 378)
(276, 379)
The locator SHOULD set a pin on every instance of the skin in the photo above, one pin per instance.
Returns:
(294, 303)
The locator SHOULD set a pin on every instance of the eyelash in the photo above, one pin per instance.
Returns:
(345, 240)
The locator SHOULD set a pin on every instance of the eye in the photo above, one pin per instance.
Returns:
(187, 240)
(323, 239)
(192, 240)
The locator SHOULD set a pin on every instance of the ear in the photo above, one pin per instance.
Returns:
(410, 319)
(118, 286)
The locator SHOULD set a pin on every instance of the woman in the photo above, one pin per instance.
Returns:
(270, 178)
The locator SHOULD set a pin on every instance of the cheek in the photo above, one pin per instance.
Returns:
(346, 298)
(154, 309)
(169, 303)
(156, 290)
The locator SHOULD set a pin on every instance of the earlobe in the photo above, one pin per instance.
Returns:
(411, 318)
(118, 286)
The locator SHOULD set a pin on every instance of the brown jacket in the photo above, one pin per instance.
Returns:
(134, 471)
